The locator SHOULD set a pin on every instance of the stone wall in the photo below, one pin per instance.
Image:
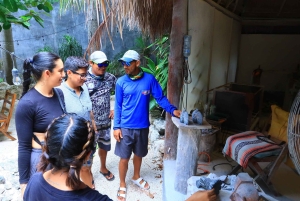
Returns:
(12, 88)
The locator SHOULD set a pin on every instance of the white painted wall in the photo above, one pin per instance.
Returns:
(278, 56)
(214, 50)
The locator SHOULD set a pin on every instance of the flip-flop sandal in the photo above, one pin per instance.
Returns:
(107, 175)
(141, 185)
(123, 195)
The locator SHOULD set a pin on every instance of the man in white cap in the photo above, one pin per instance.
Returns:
(100, 85)
(131, 121)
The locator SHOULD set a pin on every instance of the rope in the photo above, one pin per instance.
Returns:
(11, 54)
(205, 171)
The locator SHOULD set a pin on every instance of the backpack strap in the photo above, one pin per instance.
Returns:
(62, 104)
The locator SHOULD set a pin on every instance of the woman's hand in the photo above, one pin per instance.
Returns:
(208, 195)
(23, 187)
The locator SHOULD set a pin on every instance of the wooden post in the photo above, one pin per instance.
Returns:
(175, 80)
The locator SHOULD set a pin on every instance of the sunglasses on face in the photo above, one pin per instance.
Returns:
(82, 75)
(104, 64)
(124, 63)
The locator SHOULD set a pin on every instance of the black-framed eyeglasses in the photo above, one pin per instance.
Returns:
(103, 64)
(125, 63)
(82, 75)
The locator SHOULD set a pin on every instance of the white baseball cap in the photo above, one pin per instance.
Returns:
(129, 56)
(98, 57)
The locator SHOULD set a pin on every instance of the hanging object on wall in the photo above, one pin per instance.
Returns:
(256, 75)
(294, 132)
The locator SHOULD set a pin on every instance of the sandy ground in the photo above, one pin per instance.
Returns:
(149, 171)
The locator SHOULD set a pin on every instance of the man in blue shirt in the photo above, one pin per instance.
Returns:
(131, 119)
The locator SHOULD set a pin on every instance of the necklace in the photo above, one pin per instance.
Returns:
(53, 182)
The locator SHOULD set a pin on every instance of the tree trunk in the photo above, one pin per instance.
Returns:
(175, 80)
(6, 35)
(92, 25)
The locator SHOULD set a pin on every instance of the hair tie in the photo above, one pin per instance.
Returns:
(73, 166)
(31, 61)
(46, 155)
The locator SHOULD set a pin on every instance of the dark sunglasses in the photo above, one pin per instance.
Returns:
(82, 76)
(124, 63)
(104, 64)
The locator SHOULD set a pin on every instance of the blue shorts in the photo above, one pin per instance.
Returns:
(103, 139)
(134, 140)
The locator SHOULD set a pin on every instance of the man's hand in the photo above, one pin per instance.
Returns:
(208, 195)
(111, 114)
(118, 134)
(177, 113)
(23, 187)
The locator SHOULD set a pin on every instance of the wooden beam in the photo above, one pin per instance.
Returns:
(228, 4)
(270, 22)
(281, 7)
(175, 80)
(236, 3)
(223, 10)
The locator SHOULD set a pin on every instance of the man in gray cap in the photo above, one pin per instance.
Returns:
(131, 122)
(100, 85)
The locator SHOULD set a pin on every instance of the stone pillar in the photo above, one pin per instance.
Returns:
(189, 137)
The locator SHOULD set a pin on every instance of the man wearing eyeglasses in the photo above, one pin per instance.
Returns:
(77, 100)
(131, 122)
(100, 85)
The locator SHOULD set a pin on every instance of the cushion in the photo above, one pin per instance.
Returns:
(278, 127)
(279, 123)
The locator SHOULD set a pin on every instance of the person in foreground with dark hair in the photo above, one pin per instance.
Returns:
(36, 109)
(68, 144)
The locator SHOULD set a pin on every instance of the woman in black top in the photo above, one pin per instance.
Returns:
(36, 109)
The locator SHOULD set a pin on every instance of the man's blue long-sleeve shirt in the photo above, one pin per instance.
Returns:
(132, 100)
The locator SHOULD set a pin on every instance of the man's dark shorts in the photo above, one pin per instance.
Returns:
(134, 140)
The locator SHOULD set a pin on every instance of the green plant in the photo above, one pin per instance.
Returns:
(45, 49)
(9, 7)
(115, 67)
(69, 47)
(160, 50)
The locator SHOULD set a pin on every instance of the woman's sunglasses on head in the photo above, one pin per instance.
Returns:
(103, 64)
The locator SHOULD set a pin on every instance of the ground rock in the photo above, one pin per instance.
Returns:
(153, 134)
(160, 126)
(2, 179)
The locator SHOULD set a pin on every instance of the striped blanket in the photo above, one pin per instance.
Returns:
(242, 146)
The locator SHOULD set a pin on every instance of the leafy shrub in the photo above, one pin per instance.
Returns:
(69, 47)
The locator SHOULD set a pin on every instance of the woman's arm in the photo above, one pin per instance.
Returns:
(24, 126)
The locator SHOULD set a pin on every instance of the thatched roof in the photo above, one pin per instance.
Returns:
(152, 17)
